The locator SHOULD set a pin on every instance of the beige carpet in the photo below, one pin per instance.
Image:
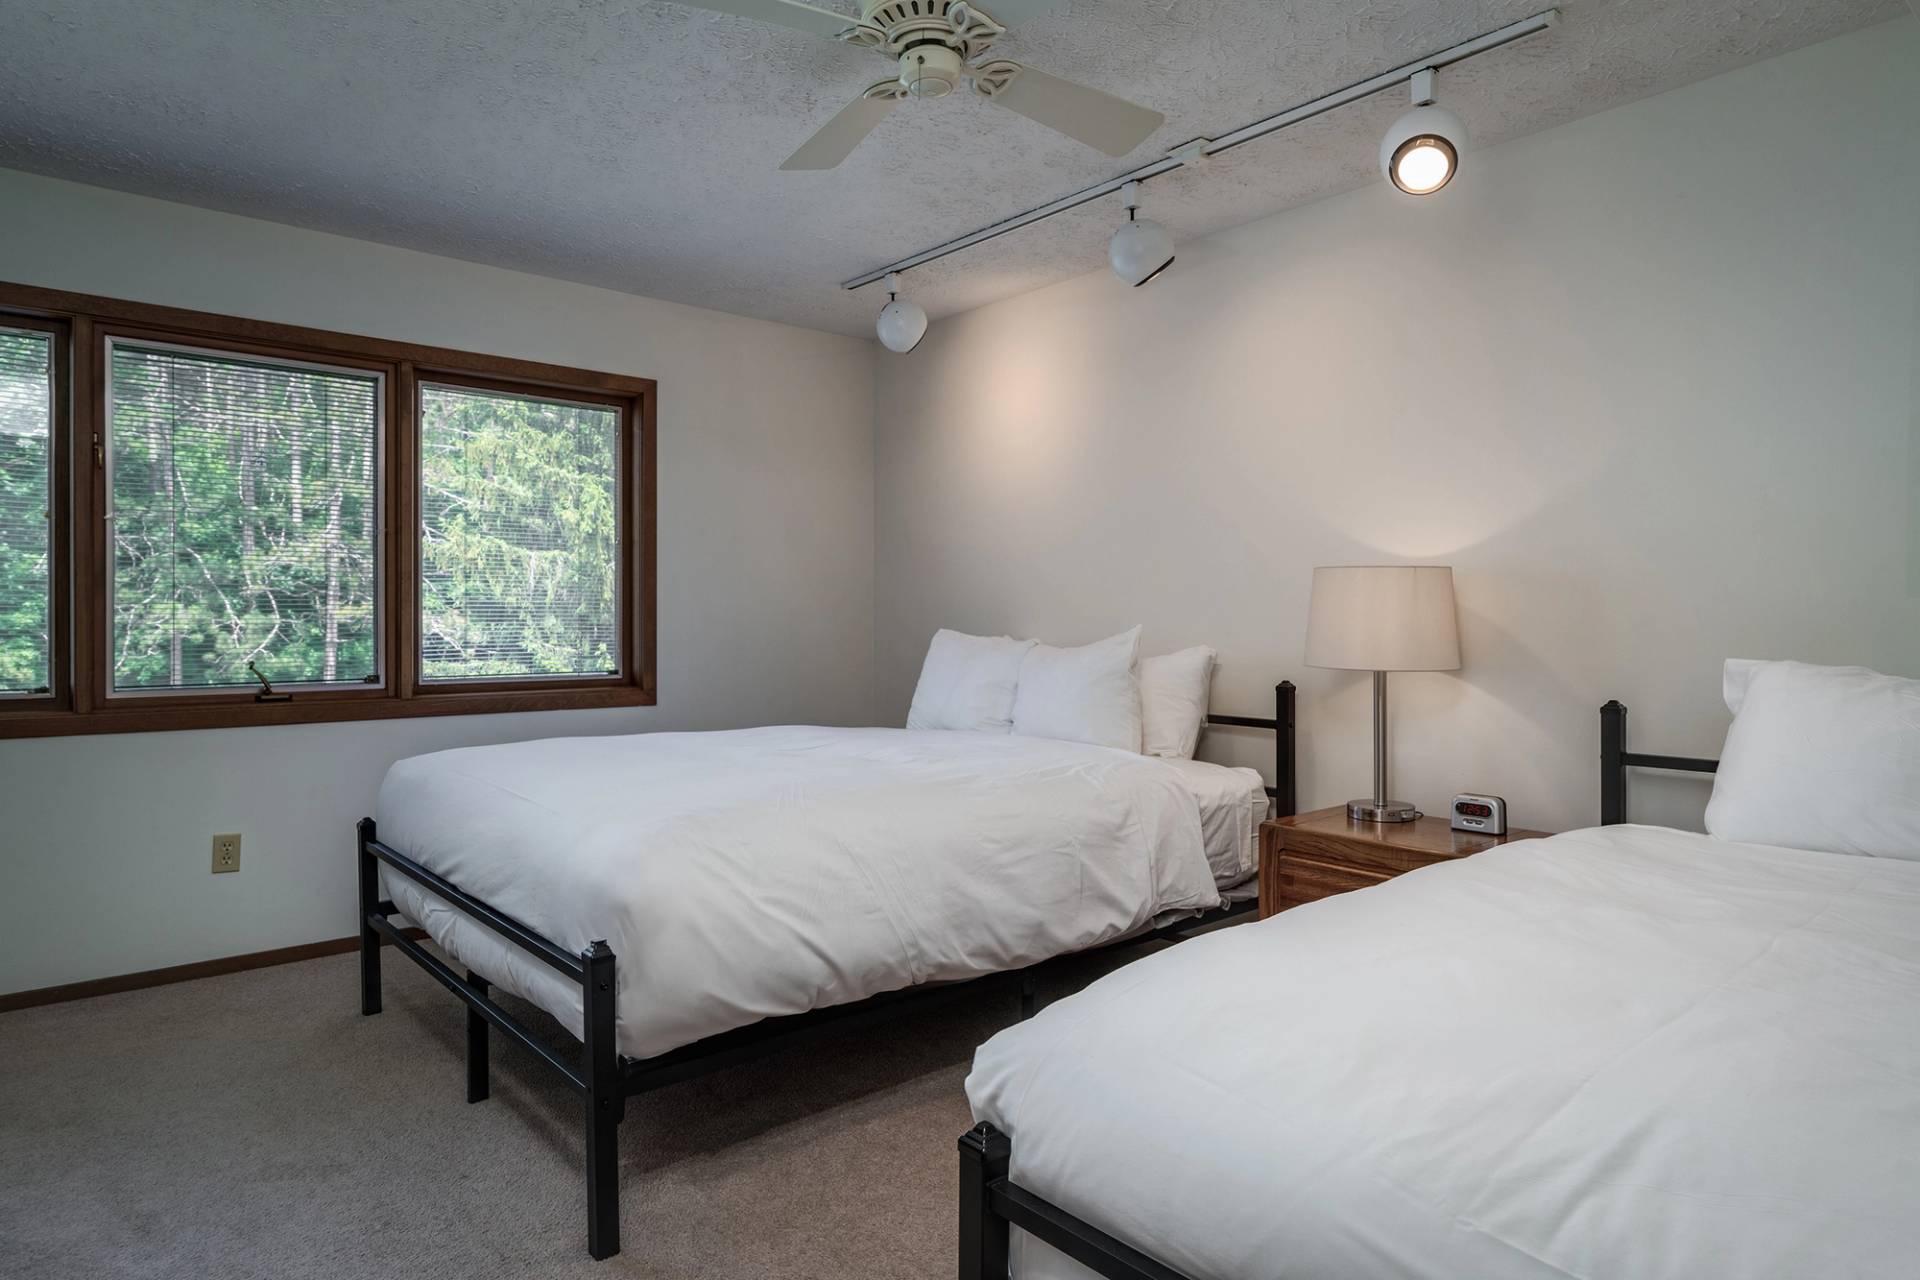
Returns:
(257, 1125)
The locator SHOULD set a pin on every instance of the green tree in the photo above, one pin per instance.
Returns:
(518, 530)
(246, 524)
(243, 505)
(25, 529)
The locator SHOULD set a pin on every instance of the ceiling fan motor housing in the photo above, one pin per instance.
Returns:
(931, 70)
(898, 27)
(938, 47)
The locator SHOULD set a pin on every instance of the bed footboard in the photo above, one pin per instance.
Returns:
(992, 1204)
(598, 1076)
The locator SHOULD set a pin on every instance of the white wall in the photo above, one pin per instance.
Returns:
(766, 592)
(1647, 380)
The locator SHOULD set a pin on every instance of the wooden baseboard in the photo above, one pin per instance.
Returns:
(182, 973)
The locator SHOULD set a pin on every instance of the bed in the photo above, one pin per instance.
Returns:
(680, 901)
(1625, 1051)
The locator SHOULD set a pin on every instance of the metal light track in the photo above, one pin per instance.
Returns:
(1211, 147)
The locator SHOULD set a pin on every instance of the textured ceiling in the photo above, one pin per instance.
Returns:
(636, 144)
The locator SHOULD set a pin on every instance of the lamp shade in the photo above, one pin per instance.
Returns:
(1383, 618)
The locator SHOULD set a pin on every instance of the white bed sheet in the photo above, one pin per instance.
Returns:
(1619, 1052)
(759, 872)
(1232, 801)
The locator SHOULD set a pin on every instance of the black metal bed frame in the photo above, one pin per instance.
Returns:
(603, 1077)
(1615, 760)
(992, 1204)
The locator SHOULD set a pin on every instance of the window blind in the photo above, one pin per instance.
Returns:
(26, 526)
(245, 520)
(519, 536)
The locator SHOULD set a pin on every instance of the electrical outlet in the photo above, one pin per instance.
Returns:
(226, 853)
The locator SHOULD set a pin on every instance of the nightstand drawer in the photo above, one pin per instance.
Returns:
(1297, 880)
(1363, 850)
(1316, 855)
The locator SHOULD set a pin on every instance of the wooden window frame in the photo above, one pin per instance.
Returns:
(95, 551)
(629, 587)
(79, 700)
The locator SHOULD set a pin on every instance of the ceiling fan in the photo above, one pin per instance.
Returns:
(936, 43)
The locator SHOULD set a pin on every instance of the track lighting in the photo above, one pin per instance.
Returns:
(1141, 249)
(1421, 153)
(901, 324)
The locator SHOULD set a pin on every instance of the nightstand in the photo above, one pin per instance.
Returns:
(1316, 855)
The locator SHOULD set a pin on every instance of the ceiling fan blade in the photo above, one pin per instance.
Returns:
(840, 135)
(811, 19)
(1009, 12)
(1100, 120)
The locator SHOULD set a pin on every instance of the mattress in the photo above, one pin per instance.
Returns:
(761, 872)
(1232, 803)
(1619, 1052)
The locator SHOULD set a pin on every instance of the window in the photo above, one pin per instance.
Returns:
(26, 511)
(519, 533)
(212, 521)
(244, 520)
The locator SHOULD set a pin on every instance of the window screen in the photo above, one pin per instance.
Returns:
(245, 525)
(26, 520)
(519, 536)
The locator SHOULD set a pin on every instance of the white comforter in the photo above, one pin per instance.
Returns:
(759, 872)
(1625, 1052)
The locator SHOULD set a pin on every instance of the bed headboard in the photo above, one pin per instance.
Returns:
(1615, 760)
(1282, 726)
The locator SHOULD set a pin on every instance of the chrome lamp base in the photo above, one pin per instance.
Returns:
(1376, 809)
(1381, 811)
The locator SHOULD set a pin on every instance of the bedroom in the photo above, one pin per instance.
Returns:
(1646, 376)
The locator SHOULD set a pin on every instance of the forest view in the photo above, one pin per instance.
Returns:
(519, 571)
(246, 498)
(26, 406)
(245, 521)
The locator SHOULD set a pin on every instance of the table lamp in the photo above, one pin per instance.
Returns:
(1382, 618)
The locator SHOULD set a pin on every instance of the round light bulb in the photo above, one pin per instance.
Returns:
(1139, 251)
(1423, 166)
(901, 325)
(1421, 152)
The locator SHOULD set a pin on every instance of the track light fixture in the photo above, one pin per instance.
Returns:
(1141, 249)
(1419, 155)
(1421, 152)
(901, 324)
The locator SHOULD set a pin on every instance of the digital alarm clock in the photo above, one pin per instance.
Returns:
(1482, 815)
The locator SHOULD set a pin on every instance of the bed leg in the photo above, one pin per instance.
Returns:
(477, 1082)
(369, 904)
(985, 1154)
(1028, 996)
(605, 1105)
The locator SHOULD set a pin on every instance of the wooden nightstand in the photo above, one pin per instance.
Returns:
(1318, 854)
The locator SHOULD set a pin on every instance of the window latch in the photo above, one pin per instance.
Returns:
(266, 693)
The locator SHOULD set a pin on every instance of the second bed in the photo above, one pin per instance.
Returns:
(681, 901)
(765, 872)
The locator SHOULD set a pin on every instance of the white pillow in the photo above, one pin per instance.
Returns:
(1173, 702)
(1819, 758)
(1089, 694)
(967, 682)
